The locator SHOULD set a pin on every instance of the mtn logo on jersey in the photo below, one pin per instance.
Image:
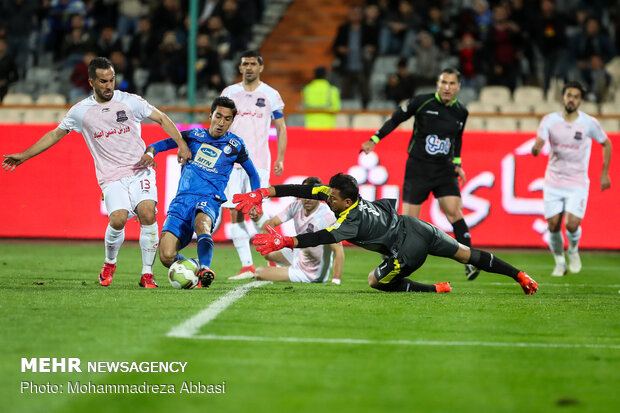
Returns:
(207, 156)
(121, 116)
(435, 146)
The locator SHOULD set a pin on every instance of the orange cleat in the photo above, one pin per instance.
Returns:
(527, 283)
(443, 287)
(244, 273)
(106, 274)
(147, 281)
(205, 278)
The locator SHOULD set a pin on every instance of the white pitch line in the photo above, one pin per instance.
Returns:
(405, 342)
(188, 328)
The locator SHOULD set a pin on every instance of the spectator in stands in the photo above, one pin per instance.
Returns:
(107, 42)
(483, 18)
(441, 29)
(168, 16)
(210, 8)
(372, 19)
(591, 41)
(238, 24)
(503, 50)
(169, 64)
(428, 60)
(597, 79)
(144, 44)
(77, 41)
(129, 14)
(400, 85)
(79, 78)
(321, 95)
(398, 33)
(18, 16)
(208, 70)
(549, 35)
(469, 61)
(8, 69)
(355, 54)
(123, 71)
(219, 36)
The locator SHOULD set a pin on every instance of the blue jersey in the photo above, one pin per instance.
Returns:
(212, 162)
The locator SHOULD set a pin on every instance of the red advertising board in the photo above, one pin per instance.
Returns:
(55, 195)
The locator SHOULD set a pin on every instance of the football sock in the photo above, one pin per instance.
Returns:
(205, 250)
(179, 257)
(490, 263)
(461, 232)
(149, 241)
(407, 285)
(259, 224)
(113, 240)
(241, 241)
(573, 239)
(556, 245)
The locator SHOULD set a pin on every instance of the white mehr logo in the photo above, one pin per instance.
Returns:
(434, 145)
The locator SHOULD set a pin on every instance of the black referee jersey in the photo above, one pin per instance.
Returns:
(437, 130)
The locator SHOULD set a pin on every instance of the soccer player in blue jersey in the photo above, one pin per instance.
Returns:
(197, 203)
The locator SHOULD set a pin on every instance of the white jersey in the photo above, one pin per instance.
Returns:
(314, 261)
(570, 148)
(255, 109)
(112, 132)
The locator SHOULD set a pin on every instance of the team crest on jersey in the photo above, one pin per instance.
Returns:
(260, 102)
(227, 149)
(435, 146)
(310, 228)
(578, 135)
(121, 116)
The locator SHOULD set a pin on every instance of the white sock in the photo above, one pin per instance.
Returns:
(149, 241)
(556, 245)
(259, 224)
(113, 240)
(573, 239)
(241, 240)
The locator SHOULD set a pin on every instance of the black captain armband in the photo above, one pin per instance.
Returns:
(300, 191)
(313, 239)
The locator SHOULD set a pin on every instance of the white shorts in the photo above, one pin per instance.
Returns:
(239, 183)
(128, 192)
(296, 274)
(559, 200)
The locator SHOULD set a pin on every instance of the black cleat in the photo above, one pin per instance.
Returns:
(205, 278)
(471, 272)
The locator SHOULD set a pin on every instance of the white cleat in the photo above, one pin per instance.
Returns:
(574, 262)
(559, 270)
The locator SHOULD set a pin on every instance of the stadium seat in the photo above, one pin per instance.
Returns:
(496, 95)
(610, 108)
(351, 104)
(467, 95)
(477, 123)
(160, 94)
(610, 125)
(367, 121)
(385, 64)
(17, 99)
(542, 108)
(295, 119)
(343, 121)
(43, 116)
(381, 105)
(529, 95)
(11, 115)
(529, 124)
(514, 107)
(51, 99)
(501, 124)
(481, 107)
(377, 85)
(590, 108)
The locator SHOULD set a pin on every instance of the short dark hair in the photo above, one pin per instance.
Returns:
(450, 71)
(312, 180)
(346, 184)
(573, 84)
(252, 53)
(320, 72)
(224, 102)
(98, 63)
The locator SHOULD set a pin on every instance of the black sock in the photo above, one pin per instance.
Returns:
(461, 232)
(490, 263)
(407, 285)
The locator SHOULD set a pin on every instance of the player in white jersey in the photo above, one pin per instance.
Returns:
(565, 189)
(257, 104)
(109, 121)
(306, 265)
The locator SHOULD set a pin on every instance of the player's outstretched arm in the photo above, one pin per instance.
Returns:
(272, 241)
(47, 141)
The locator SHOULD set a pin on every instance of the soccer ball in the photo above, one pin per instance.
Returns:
(183, 274)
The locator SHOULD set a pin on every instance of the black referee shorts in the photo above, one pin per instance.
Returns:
(422, 178)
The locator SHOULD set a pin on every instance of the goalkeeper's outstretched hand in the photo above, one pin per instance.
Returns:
(245, 202)
(272, 241)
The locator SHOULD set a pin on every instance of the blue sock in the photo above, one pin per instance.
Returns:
(205, 250)
(179, 257)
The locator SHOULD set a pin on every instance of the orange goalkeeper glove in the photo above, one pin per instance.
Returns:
(272, 241)
(251, 199)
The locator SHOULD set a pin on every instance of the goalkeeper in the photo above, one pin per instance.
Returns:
(404, 241)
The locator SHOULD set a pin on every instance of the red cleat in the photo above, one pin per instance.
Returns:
(527, 283)
(443, 287)
(205, 278)
(147, 281)
(245, 273)
(106, 274)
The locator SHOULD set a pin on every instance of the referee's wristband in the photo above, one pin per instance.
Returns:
(456, 161)
(375, 138)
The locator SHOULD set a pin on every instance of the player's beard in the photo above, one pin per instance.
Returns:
(102, 97)
(569, 109)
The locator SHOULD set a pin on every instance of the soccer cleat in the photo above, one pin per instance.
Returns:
(245, 273)
(205, 278)
(106, 274)
(559, 270)
(471, 272)
(527, 283)
(443, 287)
(574, 262)
(147, 281)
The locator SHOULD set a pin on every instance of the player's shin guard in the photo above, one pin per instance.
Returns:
(490, 263)
(461, 232)
(205, 250)
(241, 241)
(573, 239)
(113, 240)
(407, 285)
(149, 241)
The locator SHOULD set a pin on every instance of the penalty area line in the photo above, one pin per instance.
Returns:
(430, 343)
(189, 327)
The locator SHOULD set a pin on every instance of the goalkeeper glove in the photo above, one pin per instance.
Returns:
(251, 199)
(271, 242)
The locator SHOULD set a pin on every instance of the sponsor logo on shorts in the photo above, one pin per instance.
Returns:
(435, 146)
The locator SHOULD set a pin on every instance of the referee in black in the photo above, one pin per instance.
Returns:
(434, 163)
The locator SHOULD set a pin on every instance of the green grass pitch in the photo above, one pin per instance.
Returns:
(484, 347)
